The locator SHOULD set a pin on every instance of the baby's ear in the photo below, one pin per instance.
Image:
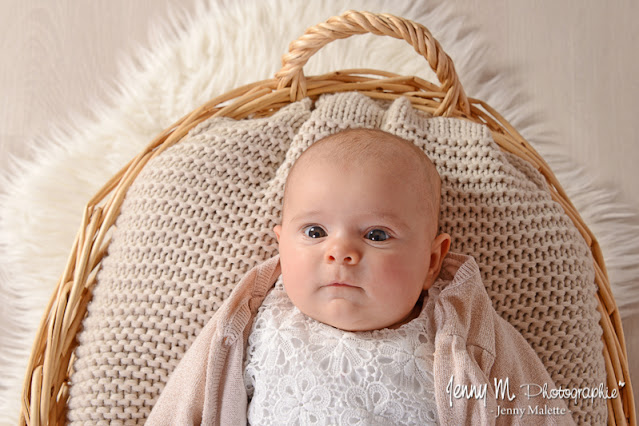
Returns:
(439, 250)
(278, 230)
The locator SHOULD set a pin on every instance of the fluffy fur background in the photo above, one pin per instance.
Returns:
(193, 58)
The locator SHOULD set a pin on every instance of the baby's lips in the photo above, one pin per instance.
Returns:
(340, 284)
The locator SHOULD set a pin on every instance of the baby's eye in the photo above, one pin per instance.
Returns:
(377, 235)
(315, 232)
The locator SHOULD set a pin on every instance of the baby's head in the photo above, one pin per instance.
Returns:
(358, 240)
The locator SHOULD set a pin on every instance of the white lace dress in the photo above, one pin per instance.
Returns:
(300, 371)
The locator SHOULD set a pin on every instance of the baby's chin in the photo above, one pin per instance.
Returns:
(354, 324)
(349, 320)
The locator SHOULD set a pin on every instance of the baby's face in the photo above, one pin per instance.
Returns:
(355, 244)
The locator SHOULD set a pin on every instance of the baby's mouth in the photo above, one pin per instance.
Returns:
(340, 284)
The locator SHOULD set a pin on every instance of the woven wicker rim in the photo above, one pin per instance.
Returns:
(46, 386)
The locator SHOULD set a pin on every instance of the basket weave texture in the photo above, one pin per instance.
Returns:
(46, 388)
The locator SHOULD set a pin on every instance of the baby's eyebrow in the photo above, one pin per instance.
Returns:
(391, 217)
(305, 214)
(382, 216)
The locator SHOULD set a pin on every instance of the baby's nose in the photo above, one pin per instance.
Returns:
(343, 253)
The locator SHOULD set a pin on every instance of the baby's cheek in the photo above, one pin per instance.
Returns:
(395, 267)
(297, 272)
(402, 275)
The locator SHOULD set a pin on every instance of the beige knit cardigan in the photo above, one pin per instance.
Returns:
(473, 346)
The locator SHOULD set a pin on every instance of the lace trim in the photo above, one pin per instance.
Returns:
(300, 371)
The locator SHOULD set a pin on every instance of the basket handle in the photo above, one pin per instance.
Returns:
(353, 22)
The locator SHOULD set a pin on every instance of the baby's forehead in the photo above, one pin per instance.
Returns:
(357, 143)
(369, 151)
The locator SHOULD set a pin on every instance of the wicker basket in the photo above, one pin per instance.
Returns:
(46, 387)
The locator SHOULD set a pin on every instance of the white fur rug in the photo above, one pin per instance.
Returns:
(225, 44)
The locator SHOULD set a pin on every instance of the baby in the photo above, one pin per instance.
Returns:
(358, 247)
(370, 321)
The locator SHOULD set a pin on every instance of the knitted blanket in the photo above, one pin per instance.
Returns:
(200, 215)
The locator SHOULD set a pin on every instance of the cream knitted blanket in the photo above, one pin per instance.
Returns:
(199, 216)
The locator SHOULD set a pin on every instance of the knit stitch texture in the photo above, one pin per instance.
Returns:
(201, 214)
